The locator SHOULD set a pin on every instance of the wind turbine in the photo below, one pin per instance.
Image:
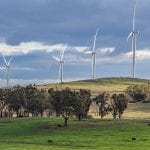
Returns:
(7, 67)
(133, 35)
(93, 52)
(61, 64)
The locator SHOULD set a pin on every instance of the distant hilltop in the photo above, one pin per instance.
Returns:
(100, 84)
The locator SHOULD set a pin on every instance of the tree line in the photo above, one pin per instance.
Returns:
(31, 101)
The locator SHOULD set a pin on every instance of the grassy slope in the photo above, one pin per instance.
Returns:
(90, 134)
(104, 84)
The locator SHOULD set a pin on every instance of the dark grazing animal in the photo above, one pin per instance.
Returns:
(59, 125)
(49, 141)
(133, 139)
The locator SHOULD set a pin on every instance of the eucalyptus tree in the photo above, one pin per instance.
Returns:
(34, 100)
(102, 101)
(16, 100)
(139, 92)
(83, 102)
(64, 103)
(119, 103)
(3, 103)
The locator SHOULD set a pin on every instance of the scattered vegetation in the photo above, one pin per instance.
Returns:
(68, 103)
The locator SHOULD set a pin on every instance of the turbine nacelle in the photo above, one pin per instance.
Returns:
(58, 60)
(132, 34)
(7, 63)
(91, 52)
(62, 61)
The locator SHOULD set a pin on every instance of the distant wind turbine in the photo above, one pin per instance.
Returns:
(7, 69)
(61, 64)
(133, 35)
(93, 52)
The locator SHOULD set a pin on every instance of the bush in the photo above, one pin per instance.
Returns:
(139, 92)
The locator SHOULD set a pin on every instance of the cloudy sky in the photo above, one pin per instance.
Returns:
(32, 31)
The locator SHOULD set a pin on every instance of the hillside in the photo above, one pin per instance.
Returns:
(102, 84)
(135, 110)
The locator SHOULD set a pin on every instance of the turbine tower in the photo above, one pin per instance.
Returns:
(93, 52)
(61, 65)
(7, 67)
(133, 35)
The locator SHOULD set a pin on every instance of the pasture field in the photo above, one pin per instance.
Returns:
(137, 110)
(88, 134)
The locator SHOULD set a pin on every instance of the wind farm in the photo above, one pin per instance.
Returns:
(80, 77)
(78, 52)
(93, 50)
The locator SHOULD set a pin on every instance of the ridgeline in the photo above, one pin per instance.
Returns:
(98, 85)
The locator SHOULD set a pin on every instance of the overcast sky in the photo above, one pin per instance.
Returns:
(32, 31)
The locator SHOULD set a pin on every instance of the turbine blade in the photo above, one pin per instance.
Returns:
(1, 68)
(88, 52)
(134, 17)
(95, 39)
(62, 55)
(129, 35)
(10, 61)
(56, 58)
(4, 60)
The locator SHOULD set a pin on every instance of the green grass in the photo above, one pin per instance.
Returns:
(90, 134)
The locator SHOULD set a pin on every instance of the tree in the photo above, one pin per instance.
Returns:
(64, 102)
(54, 100)
(2, 101)
(36, 101)
(42, 101)
(139, 92)
(16, 99)
(102, 103)
(31, 99)
(119, 103)
(85, 97)
(79, 105)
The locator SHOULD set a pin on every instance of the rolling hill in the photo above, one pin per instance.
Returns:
(98, 85)
(134, 110)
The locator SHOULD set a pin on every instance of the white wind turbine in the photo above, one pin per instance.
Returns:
(61, 64)
(7, 69)
(93, 52)
(133, 35)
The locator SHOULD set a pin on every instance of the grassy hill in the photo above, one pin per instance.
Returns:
(102, 84)
(136, 110)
